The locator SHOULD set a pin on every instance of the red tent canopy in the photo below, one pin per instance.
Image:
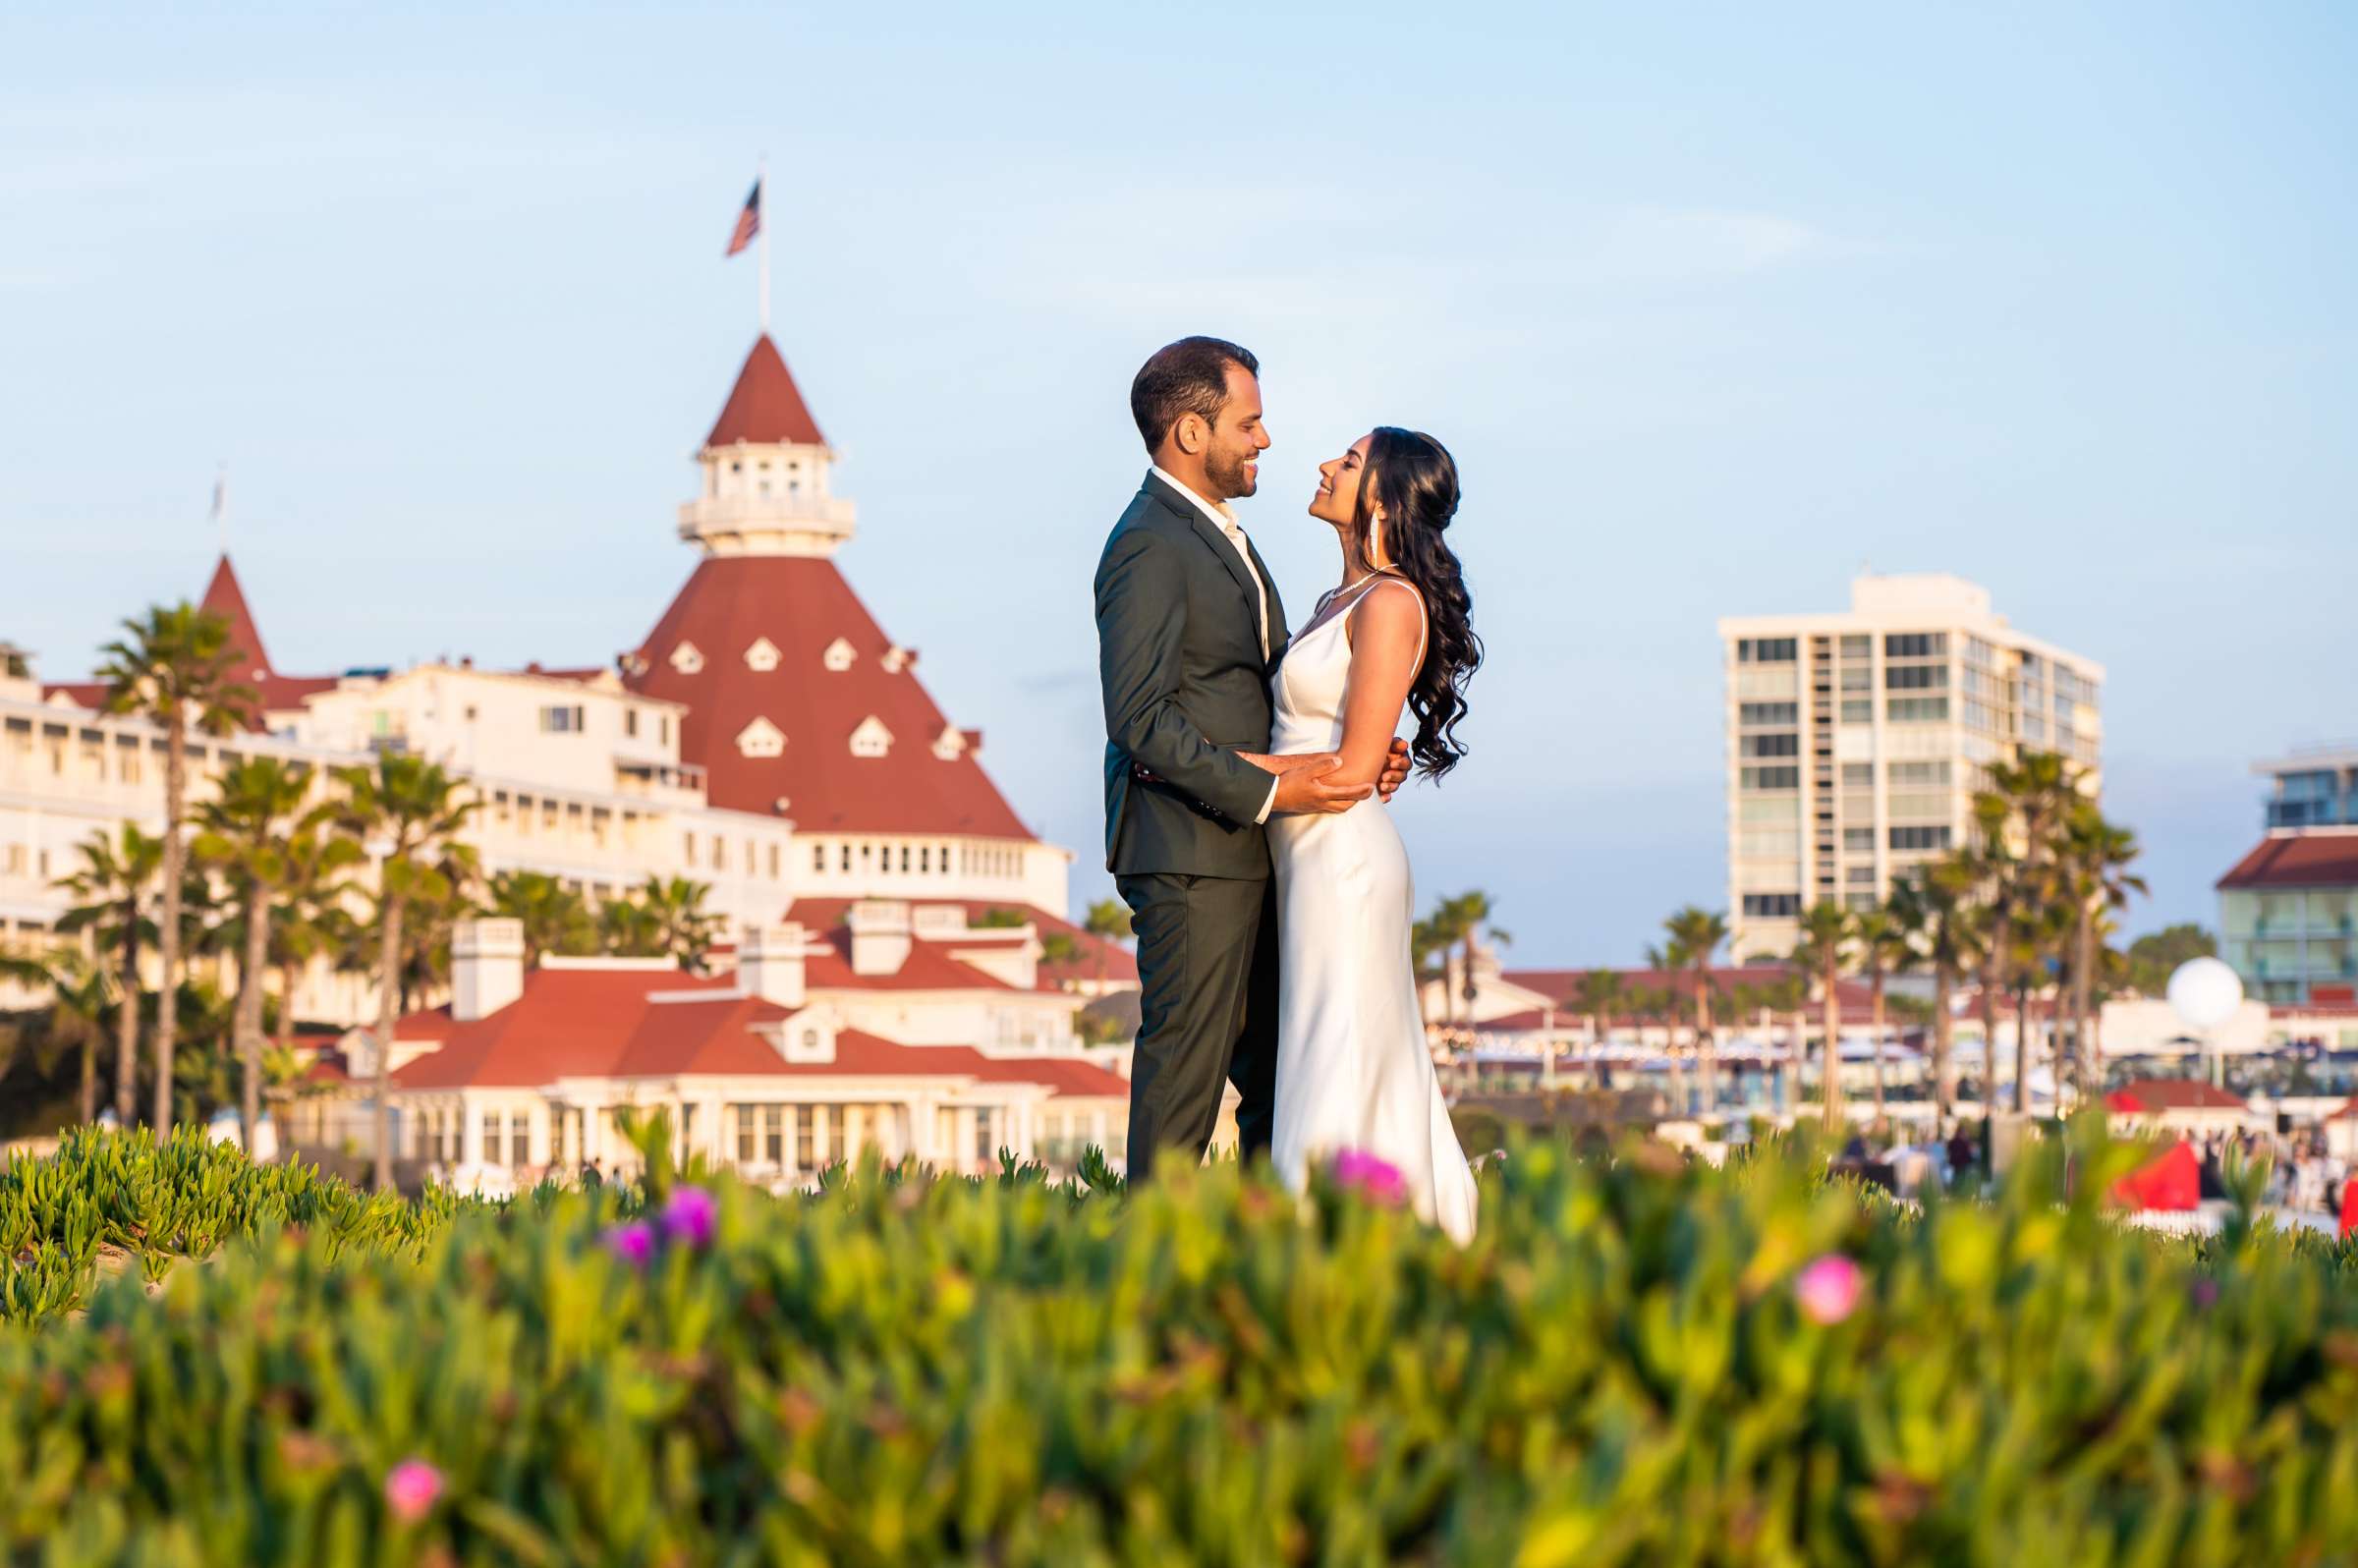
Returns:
(2175, 1180)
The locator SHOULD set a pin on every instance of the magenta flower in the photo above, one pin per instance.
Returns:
(689, 1215)
(634, 1242)
(411, 1489)
(1372, 1175)
(1828, 1288)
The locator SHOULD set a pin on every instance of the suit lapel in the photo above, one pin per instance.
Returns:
(1218, 542)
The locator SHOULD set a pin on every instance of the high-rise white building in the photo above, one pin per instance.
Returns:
(1856, 741)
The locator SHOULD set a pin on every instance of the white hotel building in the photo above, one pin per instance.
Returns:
(766, 738)
(1856, 741)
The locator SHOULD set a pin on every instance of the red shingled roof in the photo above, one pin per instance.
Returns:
(765, 404)
(927, 967)
(2149, 1096)
(1121, 965)
(801, 606)
(225, 598)
(2298, 860)
(598, 1023)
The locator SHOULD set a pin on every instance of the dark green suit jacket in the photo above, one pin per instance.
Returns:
(1186, 687)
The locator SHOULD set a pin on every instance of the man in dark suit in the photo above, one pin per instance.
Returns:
(1189, 629)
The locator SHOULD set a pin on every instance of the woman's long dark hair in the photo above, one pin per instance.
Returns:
(1412, 479)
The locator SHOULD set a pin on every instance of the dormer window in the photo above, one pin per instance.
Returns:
(949, 744)
(839, 655)
(686, 658)
(760, 739)
(871, 738)
(898, 658)
(763, 656)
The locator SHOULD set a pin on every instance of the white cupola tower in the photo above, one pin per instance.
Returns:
(765, 471)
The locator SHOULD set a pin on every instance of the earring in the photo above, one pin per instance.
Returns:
(1371, 548)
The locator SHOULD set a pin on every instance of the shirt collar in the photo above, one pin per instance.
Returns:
(1222, 515)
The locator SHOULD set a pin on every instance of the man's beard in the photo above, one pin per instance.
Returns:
(1229, 475)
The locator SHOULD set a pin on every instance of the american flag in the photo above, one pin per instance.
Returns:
(749, 222)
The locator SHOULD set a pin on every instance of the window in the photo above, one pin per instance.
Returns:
(1859, 875)
(774, 1133)
(1919, 772)
(1915, 645)
(1858, 840)
(1771, 778)
(1765, 651)
(1770, 746)
(839, 656)
(806, 1138)
(762, 656)
(1858, 775)
(688, 849)
(1858, 710)
(760, 739)
(1917, 709)
(493, 1155)
(1920, 838)
(773, 863)
(1771, 906)
(1857, 677)
(1750, 714)
(520, 1138)
(744, 1133)
(564, 718)
(871, 738)
(1915, 677)
(818, 857)
(686, 658)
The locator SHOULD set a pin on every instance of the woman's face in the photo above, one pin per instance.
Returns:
(1337, 497)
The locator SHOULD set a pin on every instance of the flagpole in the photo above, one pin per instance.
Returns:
(761, 230)
(221, 505)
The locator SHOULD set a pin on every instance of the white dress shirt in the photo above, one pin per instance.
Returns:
(1224, 517)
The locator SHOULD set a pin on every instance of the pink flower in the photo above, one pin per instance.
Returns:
(689, 1216)
(411, 1489)
(1828, 1288)
(1372, 1175)
(634, 1242)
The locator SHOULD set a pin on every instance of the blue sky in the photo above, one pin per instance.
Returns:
(1714, 304)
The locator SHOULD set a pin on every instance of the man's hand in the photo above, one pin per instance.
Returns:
(1303, 788)
(1396, 771)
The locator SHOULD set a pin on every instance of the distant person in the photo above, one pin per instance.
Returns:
(1962, 1154)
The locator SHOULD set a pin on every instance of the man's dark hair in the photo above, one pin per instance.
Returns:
(1189, 376)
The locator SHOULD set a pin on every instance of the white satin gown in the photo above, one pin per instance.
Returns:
(1353, 1071)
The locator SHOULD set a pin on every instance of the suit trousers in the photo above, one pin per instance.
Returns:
(1208, 1003)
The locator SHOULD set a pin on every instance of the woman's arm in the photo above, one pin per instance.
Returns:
(1387, 640)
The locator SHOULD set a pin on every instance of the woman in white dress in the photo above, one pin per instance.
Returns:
(1354, 1073)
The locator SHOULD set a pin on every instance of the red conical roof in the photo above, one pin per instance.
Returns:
(225, 598)
(765, 406)
(800, 606)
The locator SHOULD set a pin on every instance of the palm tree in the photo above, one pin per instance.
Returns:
(1933, 910)
(678, 920)
(2096, 855)
(175, 669)
(80, 992)
(313, 916)
(1823, 953)
(1882, 950)
(1696, 936)
(1600, 994)
(244, 832)
(407, 812)
(1109, 922)
(110, 890)
(2025, 805)
(555, 919)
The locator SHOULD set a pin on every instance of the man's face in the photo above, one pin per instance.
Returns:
(1238, 440)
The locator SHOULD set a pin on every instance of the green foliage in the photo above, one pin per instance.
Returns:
(1620, 1371)
(2156, 956)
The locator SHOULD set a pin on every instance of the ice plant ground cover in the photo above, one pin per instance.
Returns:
(1637, 1361)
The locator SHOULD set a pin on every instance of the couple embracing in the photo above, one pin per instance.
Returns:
(1247, 771)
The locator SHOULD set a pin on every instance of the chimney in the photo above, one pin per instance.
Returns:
(486, 968)
(770, 963)
(880, 937)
